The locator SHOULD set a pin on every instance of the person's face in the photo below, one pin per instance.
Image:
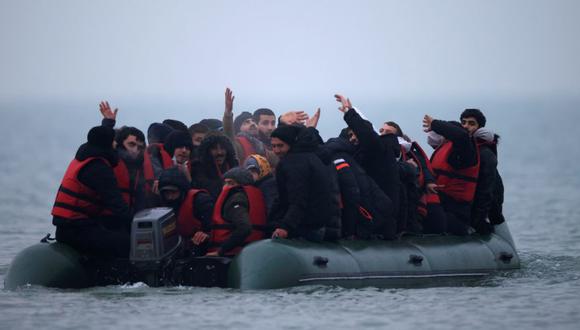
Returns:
(133, 146)
(279, 147)
(352, 137)
(249, 126)
(470, 124)
(230, 183)
(387, 129)
(267, 124)
(181, 155)
(218, 153)
(171, 194)
(197, 138)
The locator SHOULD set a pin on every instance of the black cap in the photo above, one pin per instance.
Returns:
(101, 136)
(177, 139)
(287, 133)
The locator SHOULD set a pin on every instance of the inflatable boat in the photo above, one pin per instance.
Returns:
(157, 260)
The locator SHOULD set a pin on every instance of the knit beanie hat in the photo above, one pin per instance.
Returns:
(213, 124)
(258, 163)
(240, 120)
(475, 113)
(176, 125)
(101, 136)
(241, 175)
(157, 132)
(177, 139)
(287, 133)
(172, 178)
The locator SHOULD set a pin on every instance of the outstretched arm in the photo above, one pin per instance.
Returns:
(369, 139)
(109, 116)
(228, 120)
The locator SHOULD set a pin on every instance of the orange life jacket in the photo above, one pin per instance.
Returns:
(247, 148)
(187, 223)
(221, 229)
(148, 172)
(459, 184)
(74, 200)
(124, 183)
(426, 197)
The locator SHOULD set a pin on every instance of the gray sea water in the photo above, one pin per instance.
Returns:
(539, 154)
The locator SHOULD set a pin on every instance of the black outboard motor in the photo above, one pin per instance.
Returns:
(154, 243)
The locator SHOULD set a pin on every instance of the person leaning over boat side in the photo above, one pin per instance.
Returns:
(456, 166)
(428, 208)
(473, 120)
(193, 207)
(239, 215)
(264, 179)
(216, 156)
(89, 211)
(306, 201)
(376, 156)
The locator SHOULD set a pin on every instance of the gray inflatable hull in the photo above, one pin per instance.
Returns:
(280, 263)
(410, 262)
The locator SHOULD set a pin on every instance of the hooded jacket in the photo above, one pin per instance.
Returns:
(305, 190)
(367, 210)
(376, 155)
(206, 174)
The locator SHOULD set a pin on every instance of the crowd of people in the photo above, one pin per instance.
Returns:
(253, 176)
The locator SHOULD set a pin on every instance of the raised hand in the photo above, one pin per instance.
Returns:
(427, 120)
(313, 121)
(344, 103)
(229, 101)
(292, 117)
(106, 111)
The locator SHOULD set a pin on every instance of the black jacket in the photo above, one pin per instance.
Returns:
(99, 176)
(376, 155)
(305, 192)
(359, 190)
(236, 210)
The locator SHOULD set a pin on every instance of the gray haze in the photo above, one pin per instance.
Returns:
(297, 51)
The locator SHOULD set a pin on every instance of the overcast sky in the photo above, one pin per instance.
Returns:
(289, 49)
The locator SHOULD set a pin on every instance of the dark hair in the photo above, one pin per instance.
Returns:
(475, 113)
(262, 112)
(176, 125)
(124, 132)
(157, 132)
(397, 127)
(198, 128)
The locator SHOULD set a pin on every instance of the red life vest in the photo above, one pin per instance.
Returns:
(124, 183)
(221, 229)
(187, 223)
(426, 197)
(247, 147)
(458, 184)
(74, 200)
(148, 172)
